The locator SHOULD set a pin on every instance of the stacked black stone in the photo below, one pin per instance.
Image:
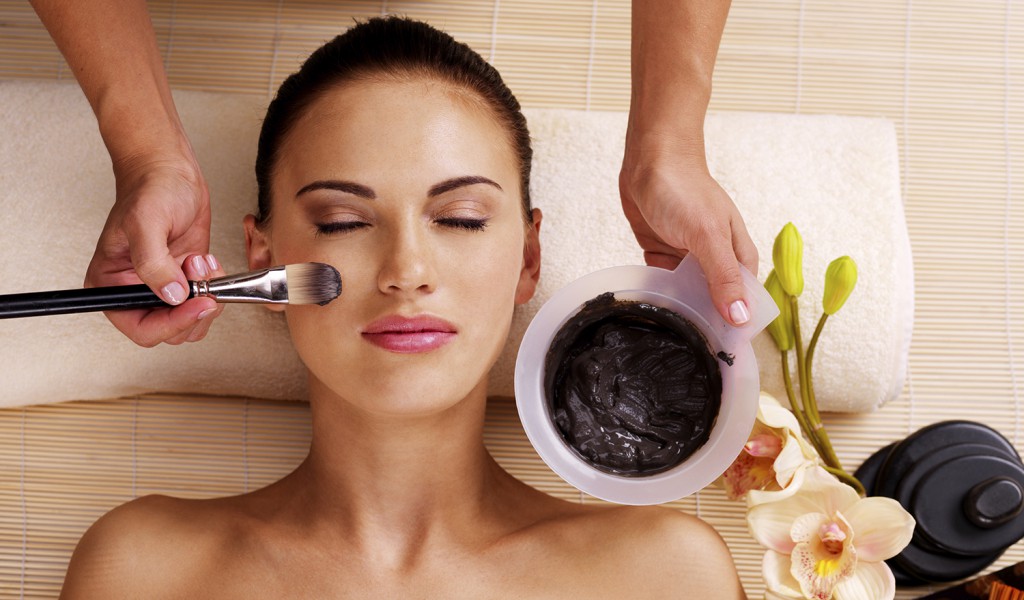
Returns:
(964, 484)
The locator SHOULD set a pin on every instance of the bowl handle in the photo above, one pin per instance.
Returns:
(690, 277)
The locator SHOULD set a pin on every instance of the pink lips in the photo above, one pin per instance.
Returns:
(409, 335)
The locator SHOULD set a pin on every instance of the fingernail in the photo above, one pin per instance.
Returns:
(214, 265)
(173, 293)
(200, 266)
(206, 313)
(738, 312)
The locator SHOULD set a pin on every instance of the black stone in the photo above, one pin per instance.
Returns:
(964, 484)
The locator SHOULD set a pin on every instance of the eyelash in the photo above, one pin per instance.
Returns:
(469, 224)
(339, 227)
(347, 226)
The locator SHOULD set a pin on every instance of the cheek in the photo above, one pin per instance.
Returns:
(487, 281)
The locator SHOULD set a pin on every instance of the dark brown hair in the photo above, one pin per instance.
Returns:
(390, 46)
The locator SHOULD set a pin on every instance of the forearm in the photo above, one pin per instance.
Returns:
(674, 47)
(112, 50)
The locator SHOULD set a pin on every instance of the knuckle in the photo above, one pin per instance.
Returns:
(709, 229)
(175, 341)
(729, 277)
(147, 268)
(196, 335)
(135, 219)
(146, 341)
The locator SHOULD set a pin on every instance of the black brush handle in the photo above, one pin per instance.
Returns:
(60, 302)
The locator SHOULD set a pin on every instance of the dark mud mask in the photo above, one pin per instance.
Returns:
(631, 387)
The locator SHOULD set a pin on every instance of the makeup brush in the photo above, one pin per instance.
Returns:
(303, 283)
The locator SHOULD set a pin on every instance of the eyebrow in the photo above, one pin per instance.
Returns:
(348, 187)
(357, 189)
(457, 182)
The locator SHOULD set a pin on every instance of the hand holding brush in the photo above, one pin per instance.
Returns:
(304, 283)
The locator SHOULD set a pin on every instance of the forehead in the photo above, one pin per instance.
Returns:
(378, 129)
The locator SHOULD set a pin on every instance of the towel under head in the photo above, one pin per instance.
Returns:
(836, 178)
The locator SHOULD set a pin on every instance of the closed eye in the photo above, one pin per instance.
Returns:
(468, 224)
(339, 227)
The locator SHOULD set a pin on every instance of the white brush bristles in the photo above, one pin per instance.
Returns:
(312, 283)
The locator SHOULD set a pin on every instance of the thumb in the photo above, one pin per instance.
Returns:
(725, 282)
(155, 265)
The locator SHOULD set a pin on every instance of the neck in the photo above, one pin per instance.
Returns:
(397, 480)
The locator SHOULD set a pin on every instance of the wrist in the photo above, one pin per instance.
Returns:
(668, 148)
(130, 137)
(673, 131)
(137, 116)
(175, 155)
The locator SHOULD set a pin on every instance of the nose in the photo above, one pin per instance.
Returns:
(407, 265)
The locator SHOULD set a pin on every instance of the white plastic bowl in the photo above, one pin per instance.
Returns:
(684, 291)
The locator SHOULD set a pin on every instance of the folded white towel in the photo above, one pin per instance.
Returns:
(836, 178)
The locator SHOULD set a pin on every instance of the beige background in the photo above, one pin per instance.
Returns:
(949, 73)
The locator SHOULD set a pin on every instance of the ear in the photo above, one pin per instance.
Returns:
(257, 250)
(530, 273)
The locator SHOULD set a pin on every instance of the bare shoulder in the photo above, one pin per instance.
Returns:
(152, 543)
(671, 554)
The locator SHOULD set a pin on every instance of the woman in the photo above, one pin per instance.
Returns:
(399, 156)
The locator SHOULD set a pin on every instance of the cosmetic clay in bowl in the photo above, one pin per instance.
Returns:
(633, 389)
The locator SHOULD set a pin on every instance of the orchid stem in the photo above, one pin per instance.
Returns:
(812, 435)
(814, 339)
(848, 479)
(809, 363)
(800, 365)
(819, 437)
(797, 408)
(812, 407)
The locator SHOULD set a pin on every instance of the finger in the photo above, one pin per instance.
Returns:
(150, 327)
(722, 269)
(169, 325)
(201, 308)
(207, 317)
(743, 246)
(155, 265)
(664, 260)
(200, 267)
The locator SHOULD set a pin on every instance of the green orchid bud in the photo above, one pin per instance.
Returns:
(788, 259)
(840, 279)
(781, 329)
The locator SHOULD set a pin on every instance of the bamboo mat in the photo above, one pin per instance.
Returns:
(949, 73)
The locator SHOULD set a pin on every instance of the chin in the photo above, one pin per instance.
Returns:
(407, 390)
(420, 399)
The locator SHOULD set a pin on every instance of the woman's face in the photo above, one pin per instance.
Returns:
(411, 190)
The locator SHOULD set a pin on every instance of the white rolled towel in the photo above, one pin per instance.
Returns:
(836, 178)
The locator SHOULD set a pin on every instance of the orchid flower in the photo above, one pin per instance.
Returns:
(824, 541)
(773, 454)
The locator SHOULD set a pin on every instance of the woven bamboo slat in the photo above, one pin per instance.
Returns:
(950, 74)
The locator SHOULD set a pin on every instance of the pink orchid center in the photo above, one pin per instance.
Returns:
(823, 554)
(764, 445)
(747, 473)
(832, 536)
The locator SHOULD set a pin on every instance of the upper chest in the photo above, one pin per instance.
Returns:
(529, 570)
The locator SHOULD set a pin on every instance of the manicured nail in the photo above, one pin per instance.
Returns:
(738, 312)
(173, 293)
(206, 313)
(214, 265)
(200, 266)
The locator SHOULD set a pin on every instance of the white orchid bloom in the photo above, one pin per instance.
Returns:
(824, 541)
(773, 454)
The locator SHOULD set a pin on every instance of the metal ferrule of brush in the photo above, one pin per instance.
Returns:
(266, 286)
